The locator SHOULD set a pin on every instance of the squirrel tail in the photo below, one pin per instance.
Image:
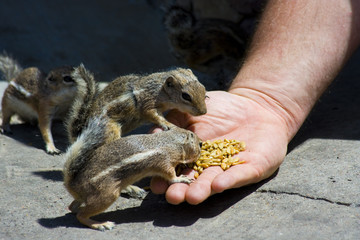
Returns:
(77, 155)
(87, 89)
(9, 67)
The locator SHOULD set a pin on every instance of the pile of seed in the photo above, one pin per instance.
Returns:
(218, 153)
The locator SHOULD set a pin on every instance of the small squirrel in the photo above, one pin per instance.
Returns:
(35, 96)
(95, 178)
(130, 100)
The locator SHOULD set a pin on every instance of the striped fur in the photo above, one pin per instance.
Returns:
(87, 89)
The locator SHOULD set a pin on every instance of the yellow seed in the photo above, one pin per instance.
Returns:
(215, 164)
(242, 146)
(228, 150)
(218, 153)
(238, 162)
(196, 175)
(204, 165)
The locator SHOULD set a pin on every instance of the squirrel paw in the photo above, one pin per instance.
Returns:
(181, 179)
(167, 126)
(51, 149)
(103, 226)
(135, 192)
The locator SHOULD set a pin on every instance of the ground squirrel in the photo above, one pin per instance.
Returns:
(133, 99)
(96, 178)
(35, 96)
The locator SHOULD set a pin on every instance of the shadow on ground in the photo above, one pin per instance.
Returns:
(30, 135)
(170, 215)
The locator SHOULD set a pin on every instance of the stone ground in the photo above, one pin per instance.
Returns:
(314, 195)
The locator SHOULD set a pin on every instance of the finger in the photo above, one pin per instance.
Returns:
(201, 189)
(175, 194)
(158, 185)
(234, 177)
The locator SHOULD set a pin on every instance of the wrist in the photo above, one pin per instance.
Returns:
(289, 111)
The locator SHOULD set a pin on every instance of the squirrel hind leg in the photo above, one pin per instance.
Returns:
(102, 226)
(94, 206)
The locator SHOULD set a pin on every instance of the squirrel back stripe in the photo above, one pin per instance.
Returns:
(20, 89)
(133, 159)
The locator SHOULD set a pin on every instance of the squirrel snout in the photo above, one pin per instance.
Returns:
(200, 111)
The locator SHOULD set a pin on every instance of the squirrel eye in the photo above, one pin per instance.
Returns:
(68, 79)
(186, 97)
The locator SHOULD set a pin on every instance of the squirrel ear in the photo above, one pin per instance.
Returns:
(169, 85)
(169, 82)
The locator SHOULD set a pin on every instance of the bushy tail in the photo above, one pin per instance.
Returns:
(92, 137)
(9, 67)
(87, 89)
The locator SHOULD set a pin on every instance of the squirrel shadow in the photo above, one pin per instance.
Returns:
(181, 215)
(53, 175)
(29, 135)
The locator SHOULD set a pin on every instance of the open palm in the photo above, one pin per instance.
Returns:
(230, 116)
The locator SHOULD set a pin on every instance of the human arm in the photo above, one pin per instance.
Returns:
(297, 50)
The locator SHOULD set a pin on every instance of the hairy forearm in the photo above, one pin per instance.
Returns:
(297, 50)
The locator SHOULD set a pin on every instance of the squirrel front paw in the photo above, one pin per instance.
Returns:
(167, 126)
(51, 149)
(181, 179)
(134, 192)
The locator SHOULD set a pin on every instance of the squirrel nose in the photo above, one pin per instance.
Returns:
(200, 144)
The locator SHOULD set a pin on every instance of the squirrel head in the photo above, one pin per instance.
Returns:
(185, 91)
(60, 78)
(190, 142)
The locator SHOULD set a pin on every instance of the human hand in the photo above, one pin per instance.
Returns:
(231, 116)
